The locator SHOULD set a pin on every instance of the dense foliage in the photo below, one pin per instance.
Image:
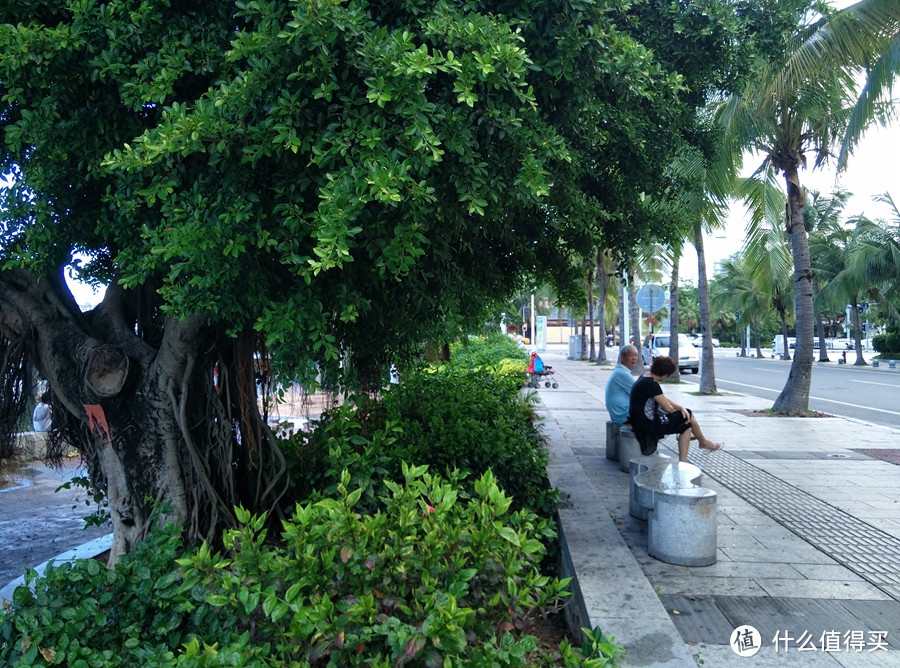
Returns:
(449, 417)
(888, 343)
(325, 183)
(435, 577)
(389, 565)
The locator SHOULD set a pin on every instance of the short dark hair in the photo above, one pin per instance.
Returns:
(662, 366)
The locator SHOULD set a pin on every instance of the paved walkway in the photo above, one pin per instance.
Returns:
(808, 534)
(37, 522)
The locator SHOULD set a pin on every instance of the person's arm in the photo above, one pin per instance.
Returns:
(669, 406)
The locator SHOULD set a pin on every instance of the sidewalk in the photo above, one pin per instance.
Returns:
(808, 534)
(38, 523)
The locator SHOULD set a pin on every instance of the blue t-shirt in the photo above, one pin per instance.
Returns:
(618, 394)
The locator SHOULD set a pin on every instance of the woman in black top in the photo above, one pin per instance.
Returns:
(653, 415)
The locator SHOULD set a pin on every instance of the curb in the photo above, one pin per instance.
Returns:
(85, 551)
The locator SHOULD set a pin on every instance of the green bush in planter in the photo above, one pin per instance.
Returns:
(445, 418)
(437, 578)
(433, 579)
(486, 351)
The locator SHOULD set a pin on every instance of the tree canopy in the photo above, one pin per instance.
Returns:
(332, 182)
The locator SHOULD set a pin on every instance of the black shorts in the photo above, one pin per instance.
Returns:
(672, 423)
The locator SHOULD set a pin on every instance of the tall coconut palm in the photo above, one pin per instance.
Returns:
(876, 254)
(831, 249)
(866, 37)
(806, 107)
(606, 290)
(829, 244)
(766, 253)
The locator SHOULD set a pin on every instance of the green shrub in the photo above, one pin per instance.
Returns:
(887, 343)
(485, 351)
(444, 418)
(434, 579)
(83, 614)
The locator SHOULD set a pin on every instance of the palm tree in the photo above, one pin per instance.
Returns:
(606, 291)
(766, 254)
(876, 254)
(808, 107)
(832, 250)
(866, 37)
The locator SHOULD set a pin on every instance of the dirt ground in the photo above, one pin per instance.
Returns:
(37, 522)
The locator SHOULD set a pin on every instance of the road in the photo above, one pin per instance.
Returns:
(858, 392)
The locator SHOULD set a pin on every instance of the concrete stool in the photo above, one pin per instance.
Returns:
(628, 447)
(681, 526)
(639, 499)
(612, 440)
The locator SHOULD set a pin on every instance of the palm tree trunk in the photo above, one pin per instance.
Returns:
(756, 330)
(794, 397)
(583, 352)
(635, 320)
(590, 280)
(820, 326)
(786, 350)
(857, 332)
(707, 365)
(673, 319)
(602, 289)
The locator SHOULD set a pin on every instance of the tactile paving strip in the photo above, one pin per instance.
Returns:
(866, 550)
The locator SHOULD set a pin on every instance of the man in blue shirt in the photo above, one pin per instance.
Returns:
(618, 387)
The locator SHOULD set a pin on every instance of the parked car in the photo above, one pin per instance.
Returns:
(688, 357)
(697, 340)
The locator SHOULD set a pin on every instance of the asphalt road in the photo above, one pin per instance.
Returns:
(865, 393)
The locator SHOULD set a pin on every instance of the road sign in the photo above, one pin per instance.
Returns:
(651, 298)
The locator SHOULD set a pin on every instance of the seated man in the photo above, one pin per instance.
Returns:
(618, 387)
(653, 414)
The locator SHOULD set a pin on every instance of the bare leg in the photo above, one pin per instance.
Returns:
(684, 441)
(698, 434)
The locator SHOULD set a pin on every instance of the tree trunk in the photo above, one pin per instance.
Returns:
(602, 289)
(857, 332)
(673, 319)
(756, 331)
(820, 326)
(786, 352)
(146, 417)
(592, 354)
(707, 361)
(794, 397)
(635, 322)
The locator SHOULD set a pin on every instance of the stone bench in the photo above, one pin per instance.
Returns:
(629, 448)
(681, 515)
(612, 439)
(637, 466)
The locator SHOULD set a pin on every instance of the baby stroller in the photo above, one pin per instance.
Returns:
(537, 370)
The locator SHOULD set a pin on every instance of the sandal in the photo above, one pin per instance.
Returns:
(711, 448)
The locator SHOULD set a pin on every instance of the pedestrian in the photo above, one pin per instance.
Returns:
(41, 418)
(653, 415)
(618, 386)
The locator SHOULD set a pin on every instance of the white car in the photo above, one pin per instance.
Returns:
(688, 357)
(697, 340)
